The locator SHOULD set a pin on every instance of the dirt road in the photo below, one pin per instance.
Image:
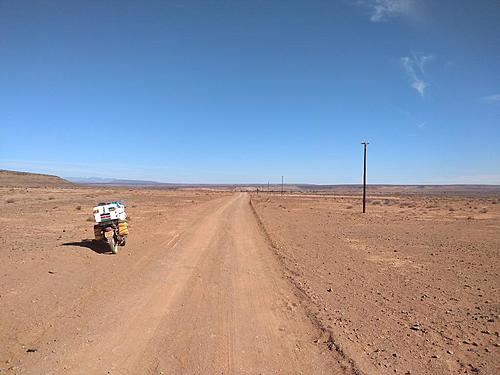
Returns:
(203, 296)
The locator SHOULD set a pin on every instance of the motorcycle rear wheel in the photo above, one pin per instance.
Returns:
(113, 245)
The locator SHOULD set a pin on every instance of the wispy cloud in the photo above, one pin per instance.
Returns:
(491, 98)
(414, 66)
(382, 10)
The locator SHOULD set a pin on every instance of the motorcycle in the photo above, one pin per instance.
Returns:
(111, 224)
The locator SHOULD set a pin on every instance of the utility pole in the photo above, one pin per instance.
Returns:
(281, 185)
(268, 186)
(364, 174)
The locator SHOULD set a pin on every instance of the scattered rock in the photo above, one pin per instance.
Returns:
(416, 327)
(474, 368)
(31, 350)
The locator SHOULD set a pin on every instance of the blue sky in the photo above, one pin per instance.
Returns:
(247, 91)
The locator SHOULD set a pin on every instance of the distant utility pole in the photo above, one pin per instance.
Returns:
(268, 186)
(364, 174)
(281, 185)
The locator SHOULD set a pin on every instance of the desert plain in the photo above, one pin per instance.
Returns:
(234, 282)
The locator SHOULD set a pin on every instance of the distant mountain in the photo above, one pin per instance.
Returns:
(89, 180)
(113, 181)
(27, 179)
(372, 189)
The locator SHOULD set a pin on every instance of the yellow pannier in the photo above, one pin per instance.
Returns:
(122, 228)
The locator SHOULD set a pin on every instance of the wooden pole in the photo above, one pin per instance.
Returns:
(364, 175)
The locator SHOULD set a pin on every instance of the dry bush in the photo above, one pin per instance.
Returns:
(375, 203)
(451, 209)
(349, 207)
(78, 208)
(483, 210)
(10, 200)
(90, 218)
(51, 198)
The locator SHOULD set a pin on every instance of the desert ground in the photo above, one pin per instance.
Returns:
(223, 282)
(412, 286)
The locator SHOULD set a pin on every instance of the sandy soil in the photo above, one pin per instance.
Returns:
(410, 287)
(197, 289)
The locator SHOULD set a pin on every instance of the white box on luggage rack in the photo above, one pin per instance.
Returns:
(109, 211)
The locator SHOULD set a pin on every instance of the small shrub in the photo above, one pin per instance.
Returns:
(451, 209)
(78, 208)
(349, 207)
(10, 200)
(90, 218)
(376, 203)
(51, 198)
(483, 210)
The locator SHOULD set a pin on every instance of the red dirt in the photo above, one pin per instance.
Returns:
(196, 290)
(410, 287)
